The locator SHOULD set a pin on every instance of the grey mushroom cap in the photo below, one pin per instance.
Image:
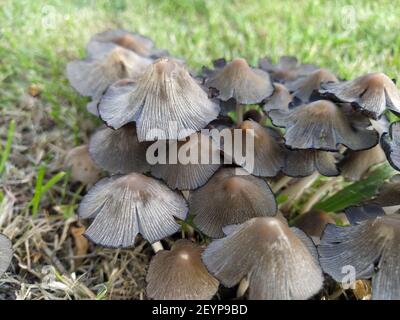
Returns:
(371, 93)
(202, 157)
(119, 151)
(371, 248)
(313, 222)
(165, 102)
(288, 68)
(239, 81)
(388, 193)
(302, 163)
(279, 262)
(91, 77)
(231, 196)
(390, 143)
(356, 163)
(6, 253)
(179, 274)
(124, 206)
(302, 88)
(324, 125)
(357, 214)
(280, 99)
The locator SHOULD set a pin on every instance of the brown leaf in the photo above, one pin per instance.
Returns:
(81, 243)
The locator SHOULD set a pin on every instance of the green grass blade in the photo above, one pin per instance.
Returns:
(38, 191)
(6, 152)
(357, 192)
(53, 181)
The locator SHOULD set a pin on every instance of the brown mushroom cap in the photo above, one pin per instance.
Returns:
(164, 94)
(231, 196)
(371, 248)
(279, 100)
(6, 253)
(204, 160)
(253, 114)
(324, 125)
(123, 206)
(356, 163)
(280, 262)
(119, 151)
(239, 81)
(390, 143)
(371, 93)
(82, 167)
(313, 222)
(269, 154)
(180, 274)
(91, 77)
(303, 87)
(302, 163)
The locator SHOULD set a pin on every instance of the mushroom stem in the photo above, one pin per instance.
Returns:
(239, 113)
(157, 246)
(319, 193)
(242, 288)
(281, 183)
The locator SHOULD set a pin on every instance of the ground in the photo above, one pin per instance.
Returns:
(38, 38)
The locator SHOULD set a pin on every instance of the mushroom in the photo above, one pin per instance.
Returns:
(324, 125)
(288, 68)
(128, 40)
(221, 123)
(302, 163)
(253, 115)
(201, 160)
(119, 151)
(280, 99)
(268, 156)
(123, 206)
(6, 253)
(82, 167)
(387, 197)
(369, 249)
(180, 274)
(166, 103)
(356, 163)
(231, 196)
(371, 93)
(280, 262)
(313, 222)
(302, 88)
(390, 143)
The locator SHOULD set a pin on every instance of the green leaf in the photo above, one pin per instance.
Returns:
(6, 152)
(357, 192)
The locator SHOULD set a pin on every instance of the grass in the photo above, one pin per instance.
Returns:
(38, 38)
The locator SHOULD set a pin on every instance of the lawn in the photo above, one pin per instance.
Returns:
(38, 38)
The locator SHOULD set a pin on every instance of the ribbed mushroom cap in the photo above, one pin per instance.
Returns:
(390, 143)
(371, 93)
(91, 77)
(286, 69)
(269, 153)
(239, 81)
(356, 163)
(180, 274)
(371, 247)
(357, 214)
(129, 40)
(280, 263)
(202, 160)
(303, 87)
(119, 151)
(313, 222)
(6, 253)
(83, 169)
(123, 206)
(231, 196)
(324, 125)
(302, 163)
(279, 100)
(164, 98)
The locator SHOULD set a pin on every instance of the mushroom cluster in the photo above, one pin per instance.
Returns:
(207, 153)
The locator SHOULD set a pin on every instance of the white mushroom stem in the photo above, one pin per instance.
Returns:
(282, 182)
(319, 193)
(243, 286)
(239, 113)
(296, 190)
(157, 246)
